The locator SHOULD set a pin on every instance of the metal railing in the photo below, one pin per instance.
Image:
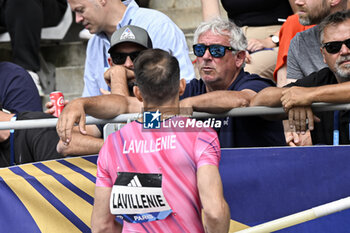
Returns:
(236, 112)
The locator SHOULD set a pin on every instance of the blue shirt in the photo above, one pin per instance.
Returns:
(248, 131)
(18, 92)
(164, 35)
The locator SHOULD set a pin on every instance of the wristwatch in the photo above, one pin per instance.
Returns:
(275, 39)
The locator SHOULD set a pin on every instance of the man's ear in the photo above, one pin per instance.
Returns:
(323, 55)
(182, 86)
(137, 93)
(335, 2)
(110, 62)
(102, 2)
(240, 58)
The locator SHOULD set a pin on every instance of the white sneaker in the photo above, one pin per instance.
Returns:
(36, 80)
(85, 34)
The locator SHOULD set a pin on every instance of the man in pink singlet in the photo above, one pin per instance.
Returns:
(159, 173)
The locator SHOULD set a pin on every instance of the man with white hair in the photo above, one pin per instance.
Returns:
(220, 48)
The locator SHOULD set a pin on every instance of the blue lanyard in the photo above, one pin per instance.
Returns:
(336, 128)
(12, 144)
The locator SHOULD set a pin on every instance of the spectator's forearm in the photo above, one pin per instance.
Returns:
(80, 145)
(270, 96)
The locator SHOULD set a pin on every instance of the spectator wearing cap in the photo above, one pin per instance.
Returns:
(105, 17)
(126, 44)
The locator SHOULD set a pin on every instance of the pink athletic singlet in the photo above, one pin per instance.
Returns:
(176, 154)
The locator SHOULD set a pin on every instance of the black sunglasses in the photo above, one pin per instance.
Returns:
(120, 58)
(335, 46)
(215, 50)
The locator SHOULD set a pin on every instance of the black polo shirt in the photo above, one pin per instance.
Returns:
(323, 131)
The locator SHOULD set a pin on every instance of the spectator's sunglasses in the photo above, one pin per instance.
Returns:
(334, 47)
(215, 50)
(120, 58)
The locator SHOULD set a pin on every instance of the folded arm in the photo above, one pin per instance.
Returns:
(270, 96)
(82, 144)
(218, 101)
(299, 117)
(302, 96)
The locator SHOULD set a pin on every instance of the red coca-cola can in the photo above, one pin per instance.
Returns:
(57, 99)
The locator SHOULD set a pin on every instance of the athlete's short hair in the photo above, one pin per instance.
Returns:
(157, 75)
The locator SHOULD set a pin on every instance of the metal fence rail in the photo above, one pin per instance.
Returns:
(236, 112)
(304, 216)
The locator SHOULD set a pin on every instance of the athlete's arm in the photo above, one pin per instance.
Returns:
(215, 209)
(102, 220)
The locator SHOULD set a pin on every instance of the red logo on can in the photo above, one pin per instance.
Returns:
(57, 99)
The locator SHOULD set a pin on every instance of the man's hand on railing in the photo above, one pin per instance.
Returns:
(296, 96)
(73, 113)
(301, 118)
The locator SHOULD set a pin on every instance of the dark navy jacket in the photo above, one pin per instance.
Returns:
(18, 92)
(249, 131)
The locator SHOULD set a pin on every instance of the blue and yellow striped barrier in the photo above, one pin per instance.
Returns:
(260, 185)
(51, 196)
